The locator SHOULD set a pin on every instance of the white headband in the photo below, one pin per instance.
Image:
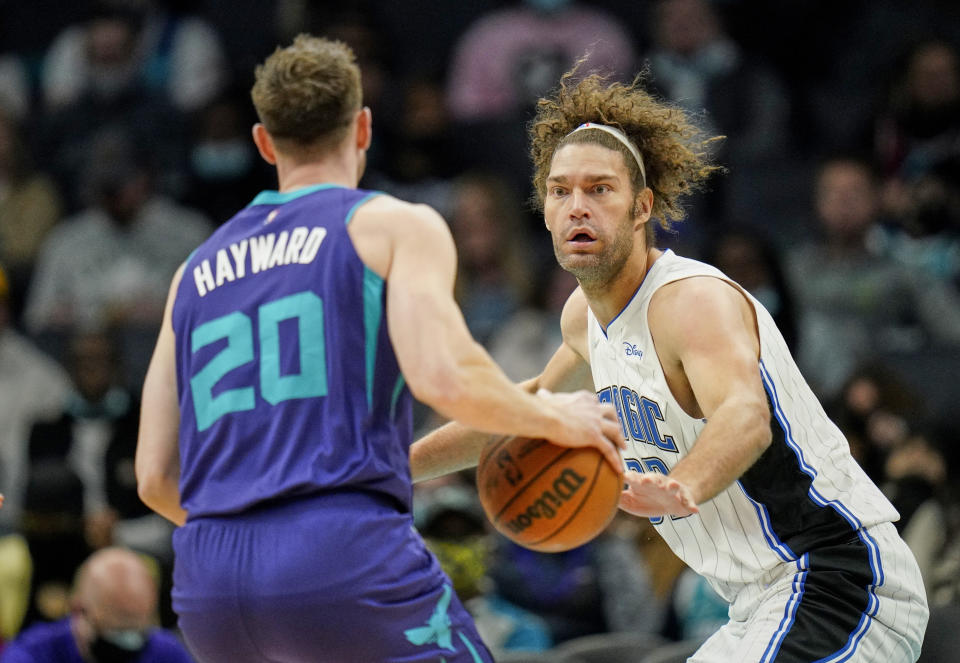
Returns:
(619, 135)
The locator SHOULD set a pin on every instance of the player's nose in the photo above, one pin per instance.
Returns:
(578, 204)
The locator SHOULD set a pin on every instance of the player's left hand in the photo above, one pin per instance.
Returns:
(651, 494)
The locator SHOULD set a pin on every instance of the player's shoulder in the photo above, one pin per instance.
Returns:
(682, 281)
(392, 216)
(383, 206)
(573, 321)
(693, 299)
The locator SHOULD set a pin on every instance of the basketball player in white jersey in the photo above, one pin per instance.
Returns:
(733, 457)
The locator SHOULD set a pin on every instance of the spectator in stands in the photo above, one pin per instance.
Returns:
(875, 410)
(525, 341)
(29, 207)
(418, 159)
(853, 304)
(152, 43)
(510, 57)
(96, 435)
(922, 118)
(93, 82)
(695, 64)
(81, 489)
(224, 171)
(915, 481)
(111, 263)
(917, 146)
(112, 618)
(750, 259)
(448, 515)
(494, 256)
(34, 387)
(602, 586)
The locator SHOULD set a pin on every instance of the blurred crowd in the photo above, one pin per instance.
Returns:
(125, 140)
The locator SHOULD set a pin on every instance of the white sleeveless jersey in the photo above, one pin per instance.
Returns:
(805, 491)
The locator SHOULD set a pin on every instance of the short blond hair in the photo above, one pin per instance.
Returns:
(307, 93)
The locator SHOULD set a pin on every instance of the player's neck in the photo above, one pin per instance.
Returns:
(334, 169)
(609, 300)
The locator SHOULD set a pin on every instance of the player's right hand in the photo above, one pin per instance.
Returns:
(588, 423)
(651, 494)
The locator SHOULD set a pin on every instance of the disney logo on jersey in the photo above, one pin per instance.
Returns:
(631, 350)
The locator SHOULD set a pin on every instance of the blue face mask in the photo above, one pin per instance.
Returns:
(222, 160)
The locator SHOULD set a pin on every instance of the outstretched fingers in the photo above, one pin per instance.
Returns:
(651, 494)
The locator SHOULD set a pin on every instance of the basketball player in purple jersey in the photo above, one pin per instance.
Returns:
(276, 419)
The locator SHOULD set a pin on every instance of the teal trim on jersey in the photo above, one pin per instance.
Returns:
(353, 210)
(473, 650)
(397, 388)
(271, 197)
(372, 308)
(372, 317)
(437, 628)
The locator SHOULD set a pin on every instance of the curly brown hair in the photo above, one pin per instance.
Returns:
(675, 151)
(307, 93)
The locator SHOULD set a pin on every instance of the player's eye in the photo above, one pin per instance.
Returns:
(601, 188)
(557, 191)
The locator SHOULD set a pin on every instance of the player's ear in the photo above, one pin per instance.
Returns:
(643, 205)
(364, 128)
(264, 143)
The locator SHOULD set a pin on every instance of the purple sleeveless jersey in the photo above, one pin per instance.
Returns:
(287, 380)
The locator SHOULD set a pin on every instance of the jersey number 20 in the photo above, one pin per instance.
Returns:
(237, 327)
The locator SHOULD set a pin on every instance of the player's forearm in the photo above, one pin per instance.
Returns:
(733, 439)
(450, 448)
(466, 385)
(162, 495)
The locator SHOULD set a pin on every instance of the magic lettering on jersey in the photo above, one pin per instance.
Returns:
(639, 416)
(260, 253)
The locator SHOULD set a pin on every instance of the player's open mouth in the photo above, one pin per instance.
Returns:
(580, 236)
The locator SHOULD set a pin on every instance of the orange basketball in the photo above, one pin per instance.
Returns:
(546, 497)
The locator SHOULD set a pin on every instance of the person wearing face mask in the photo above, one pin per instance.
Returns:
(751, 259)
(223, 170)
(112, 619)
